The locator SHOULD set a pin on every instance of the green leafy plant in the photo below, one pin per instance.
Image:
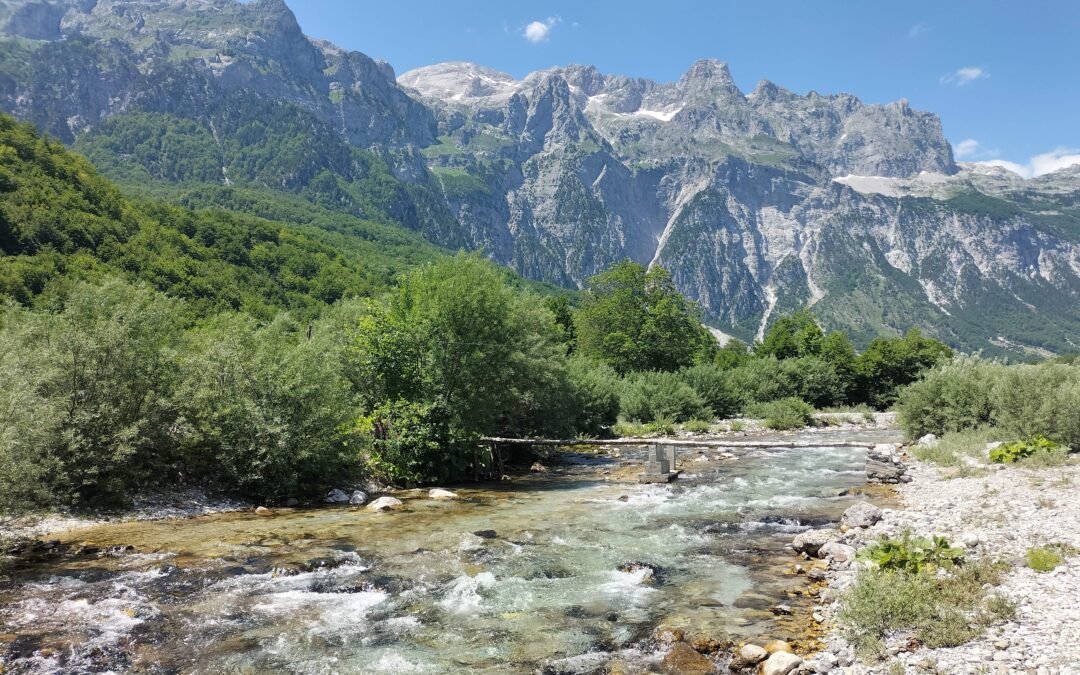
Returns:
(1047, 558)
(787, 413)
(697, 426)
(911, 554)
(1009, 453)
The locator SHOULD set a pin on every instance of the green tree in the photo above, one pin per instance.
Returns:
(791, 336)
(267, 407)
(891, 363)
(636, 320)
(451, 355)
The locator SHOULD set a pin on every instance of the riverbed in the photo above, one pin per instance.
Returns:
(568, 571)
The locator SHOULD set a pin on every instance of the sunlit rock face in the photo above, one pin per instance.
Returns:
(758, 203)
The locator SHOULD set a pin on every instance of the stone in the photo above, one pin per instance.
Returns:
(780, 663)
(884, 466)
(863, 514)
(704, 644)
(336, 496)
(384, 504)
(358, 498)
(781, 610)
(439, 493)
(486, 534)
(969, 539)
(837, 552)
(685, 660)
(928, 441)
(752, 654)
(537, 467)
(811, 541)
(262, 511)
(668, 635)
(773, 646)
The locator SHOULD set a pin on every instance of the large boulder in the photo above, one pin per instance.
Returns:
(780, 663)
(811, 541)
(384, 504)
(358, 498)
(336, 496)
(863, 514)
(439, 493)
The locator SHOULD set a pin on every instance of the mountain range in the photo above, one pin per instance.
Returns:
(758, 203)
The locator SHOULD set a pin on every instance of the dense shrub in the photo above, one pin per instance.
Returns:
(767, 379)
(595, 391)
(94, 383)
(887, 365)
(653, 396)
(785, 413)
(711, 384)
(952, 397)
(1021, 400)
(266, 406)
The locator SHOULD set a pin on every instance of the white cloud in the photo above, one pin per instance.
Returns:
(971, 150)
(917, 30)
(539, 31)
(965, 75)
(1044, 163)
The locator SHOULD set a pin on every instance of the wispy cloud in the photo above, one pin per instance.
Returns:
(965, 75)
(1044, 163)
(971, 150)
(539, 31)
(917, 30)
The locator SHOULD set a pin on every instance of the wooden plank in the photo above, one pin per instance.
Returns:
(707, 443)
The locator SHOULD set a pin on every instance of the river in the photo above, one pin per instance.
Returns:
(571, 571)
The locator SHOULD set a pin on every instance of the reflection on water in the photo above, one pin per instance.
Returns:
(581, 571)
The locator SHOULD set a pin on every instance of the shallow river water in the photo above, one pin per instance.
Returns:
(548, 585)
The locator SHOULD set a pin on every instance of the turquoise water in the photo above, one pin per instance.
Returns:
(582, 568)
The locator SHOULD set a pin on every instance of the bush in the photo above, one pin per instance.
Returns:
(1043, 558)
(887, 365)
(266, 406)
(943, 610)
(653, 396)
(595, 390)
(1008, 453)
(1022, 400)
(809, 378)
(953, 397)
(711, 384)
(697, 426)
(787, 413)
(911, 554)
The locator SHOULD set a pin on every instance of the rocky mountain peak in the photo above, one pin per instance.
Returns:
(710, 70)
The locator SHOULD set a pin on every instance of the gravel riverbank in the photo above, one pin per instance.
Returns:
(997, 512)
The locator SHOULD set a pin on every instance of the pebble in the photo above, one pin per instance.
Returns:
(997, 514)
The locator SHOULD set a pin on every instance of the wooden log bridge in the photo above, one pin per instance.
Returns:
(660, 466)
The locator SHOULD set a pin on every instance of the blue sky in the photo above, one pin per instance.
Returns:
(1003, 76)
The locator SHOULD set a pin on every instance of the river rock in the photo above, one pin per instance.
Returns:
(262, 511)
(836, 552)
(780, 663)
(883, 465)
(811, 541)
(706, 645)
(752, 654)
(781, 610)
(358, 498)
(773, 646)
(684, 660)
(928, 441)
(384, 504)
(439, 493)
(336, 496)
(537, 467)
(863, 514)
